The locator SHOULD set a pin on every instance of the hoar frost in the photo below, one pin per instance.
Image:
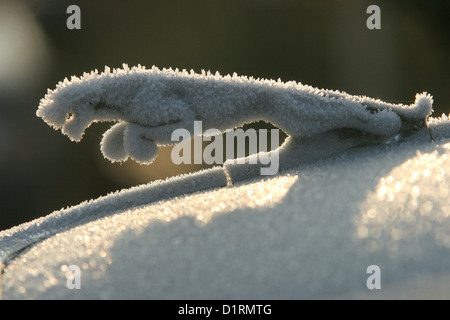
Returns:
(150, 104)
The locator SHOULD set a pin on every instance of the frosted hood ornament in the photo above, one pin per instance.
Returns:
(149, 104)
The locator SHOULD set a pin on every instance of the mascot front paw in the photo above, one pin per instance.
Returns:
(125, 140)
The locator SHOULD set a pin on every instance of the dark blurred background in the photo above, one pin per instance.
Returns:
(321, 43)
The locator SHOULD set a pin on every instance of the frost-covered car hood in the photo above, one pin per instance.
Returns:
(310, 232)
